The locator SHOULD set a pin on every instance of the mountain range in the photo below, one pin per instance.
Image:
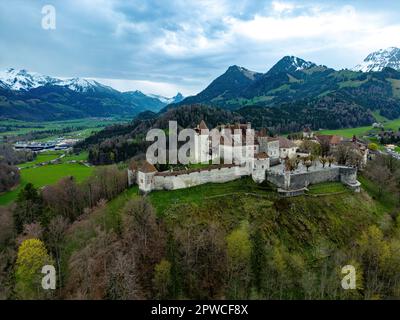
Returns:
(377, 61)
(294, 91)
(293, 94)
(31, 96)
(294, 87)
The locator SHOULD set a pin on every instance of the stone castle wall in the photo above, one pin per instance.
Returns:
(296, 181)
(301, 180)
(276, 179)
(169, 181)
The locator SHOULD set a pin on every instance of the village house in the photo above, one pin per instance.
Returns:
(332, 142)
(329, 139)
(287, 149)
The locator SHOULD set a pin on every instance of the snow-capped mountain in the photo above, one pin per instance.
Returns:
(381, 59)
(178, 98)
(291, 64)
(31, 96)
(22, 80)
(13, 79)
(83, 85)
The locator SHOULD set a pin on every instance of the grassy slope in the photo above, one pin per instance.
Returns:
(197, 195)
(303, 224)
(298, 222)
(388, 201)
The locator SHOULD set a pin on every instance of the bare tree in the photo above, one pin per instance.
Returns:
(31, 231)
(55, 239)
(308, 164)
(331, 159)
(323, 160)
(147, 237)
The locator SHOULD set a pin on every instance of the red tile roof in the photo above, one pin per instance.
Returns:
(261, 155)
(285, 143)
(328, 138)
(202, 125)
(147, 168)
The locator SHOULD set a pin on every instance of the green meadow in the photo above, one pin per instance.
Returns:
(361, 131)
(46, 175)
(42, 157)
(84, 127)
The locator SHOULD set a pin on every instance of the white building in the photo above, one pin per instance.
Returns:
(269, 145)
(287, 149)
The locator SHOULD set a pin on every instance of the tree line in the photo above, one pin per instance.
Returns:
(152, 258)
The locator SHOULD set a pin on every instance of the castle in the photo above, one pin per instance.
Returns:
(253, 154)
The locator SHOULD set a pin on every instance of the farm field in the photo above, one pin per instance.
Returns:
(83, 156)
(46, 175)
(52, 155)
(40, 158)
(348, 133)
(84, 127)
(360, 131)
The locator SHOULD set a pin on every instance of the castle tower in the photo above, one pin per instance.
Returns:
(260, 165)
(145, 177)
(202, 145)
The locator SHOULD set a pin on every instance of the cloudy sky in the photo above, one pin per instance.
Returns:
(163, 46)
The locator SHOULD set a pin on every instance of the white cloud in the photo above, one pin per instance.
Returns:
(309, 28)
(148, 87)
(166, 46)
(312, 25)
(281, 7)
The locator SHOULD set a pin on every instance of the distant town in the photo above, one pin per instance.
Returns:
(59, 144)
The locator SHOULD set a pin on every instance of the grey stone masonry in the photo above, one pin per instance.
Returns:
(294, 182)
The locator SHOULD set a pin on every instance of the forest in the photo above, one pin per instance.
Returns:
(9, 173)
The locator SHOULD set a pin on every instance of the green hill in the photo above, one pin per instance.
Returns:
(297, 246)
